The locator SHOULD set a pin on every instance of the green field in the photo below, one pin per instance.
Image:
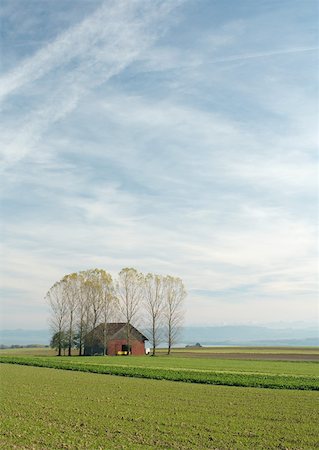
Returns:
(247, 373)
(247, 350)
(201, 351)
(45, 408)
(217, 403)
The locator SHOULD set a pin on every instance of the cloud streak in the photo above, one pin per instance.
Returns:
(267, 54)
(116, 156)
(113, 33)
(80, 59)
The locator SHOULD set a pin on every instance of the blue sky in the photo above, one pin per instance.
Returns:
(176, 137)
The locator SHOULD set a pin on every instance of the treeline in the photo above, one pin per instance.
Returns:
(4, 347)
(81, 301)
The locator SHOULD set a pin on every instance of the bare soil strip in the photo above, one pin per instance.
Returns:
(254, 356)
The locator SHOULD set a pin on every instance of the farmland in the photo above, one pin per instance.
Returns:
(217, 403)
(108, 412)
(205, 369)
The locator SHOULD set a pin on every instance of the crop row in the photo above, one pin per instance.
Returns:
(189, 376)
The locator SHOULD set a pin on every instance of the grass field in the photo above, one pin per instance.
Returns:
(262, 350)
(232, 372)
(204, 352)
(45, 408)
(249, 366)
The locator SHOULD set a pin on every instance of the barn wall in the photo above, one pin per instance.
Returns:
(93, 350)
(115, 346)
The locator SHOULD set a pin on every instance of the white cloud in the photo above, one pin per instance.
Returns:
(116, 157)
(113, 33)
(80, 59)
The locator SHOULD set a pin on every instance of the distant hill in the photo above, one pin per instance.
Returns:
(250, 335)
(214, 335)
(24, 337)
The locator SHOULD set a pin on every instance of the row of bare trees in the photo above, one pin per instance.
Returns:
(81, 301)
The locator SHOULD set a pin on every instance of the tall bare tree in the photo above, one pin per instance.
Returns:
(80, 300)
(173, 310)
(57, 300)
(82, 312)
(92, 289)
(128, 292)
(154, 306)
(109, 302)
(70, 286)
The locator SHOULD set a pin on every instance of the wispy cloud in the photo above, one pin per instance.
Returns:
(267, 54)
(114, 33)
(80, 59)
(147, 135)
(171, 61)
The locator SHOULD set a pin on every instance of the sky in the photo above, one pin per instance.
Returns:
(176, 137)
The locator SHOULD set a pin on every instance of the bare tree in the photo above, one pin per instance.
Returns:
(70, 287)
(92, 290)
(154, 306)
(82, 312)
(80, 300)
(128, 292)
(173, 310)
(57, 300)
(108, 305)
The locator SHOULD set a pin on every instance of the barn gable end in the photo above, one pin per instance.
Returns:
(116, 337)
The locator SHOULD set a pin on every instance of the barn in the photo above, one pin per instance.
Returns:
(114, 335)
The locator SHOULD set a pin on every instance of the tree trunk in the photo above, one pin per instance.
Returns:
(81, 337)
(169, 338)
(92, 345)
(153, 336)
(104, 339)
(92, 341)
(70, 336)
(80, 345)
(128, 337)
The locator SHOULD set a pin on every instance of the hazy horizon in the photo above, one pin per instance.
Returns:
(205, 335)
(269, 325)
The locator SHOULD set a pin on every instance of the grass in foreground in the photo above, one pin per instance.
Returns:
(45, 408)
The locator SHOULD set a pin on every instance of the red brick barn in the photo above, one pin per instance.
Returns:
(115, 337)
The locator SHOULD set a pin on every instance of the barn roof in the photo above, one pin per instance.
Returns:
(116, 330)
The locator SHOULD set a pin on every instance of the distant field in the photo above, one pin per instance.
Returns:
(283, 350)
(286, 353)
(46, 408)
(232, 372)
(38, 351)
(255, 353)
